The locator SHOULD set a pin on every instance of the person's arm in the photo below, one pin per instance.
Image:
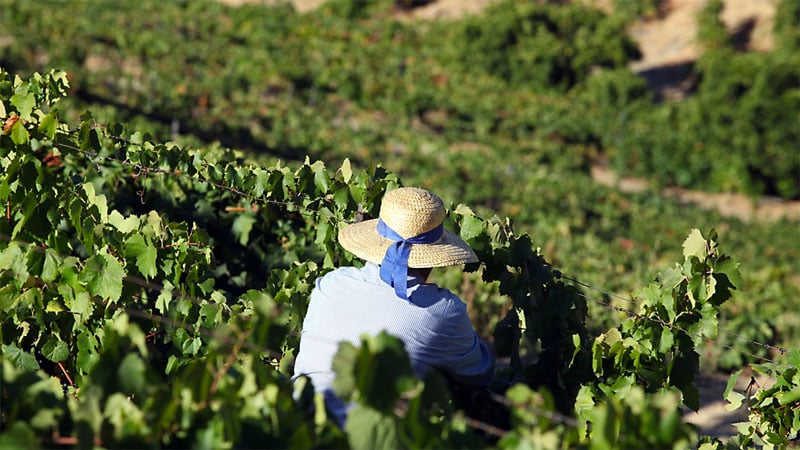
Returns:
(462, 355)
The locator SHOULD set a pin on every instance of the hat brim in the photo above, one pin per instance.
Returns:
(362, 239)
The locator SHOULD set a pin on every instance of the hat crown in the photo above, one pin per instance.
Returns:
(412, 211)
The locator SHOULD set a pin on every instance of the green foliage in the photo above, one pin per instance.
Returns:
(774, 409)
(653, 354)
(190, 268)
(542, 47)
(711, 31)
(737, 132)
(648, 421)
(394, 409)
(122, 304)
(675, 314)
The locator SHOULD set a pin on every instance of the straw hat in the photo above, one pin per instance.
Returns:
(409, 212)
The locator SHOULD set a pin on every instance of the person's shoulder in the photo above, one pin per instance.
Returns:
(346, 272)
(442, 296)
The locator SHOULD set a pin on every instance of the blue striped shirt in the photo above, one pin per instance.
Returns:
(433, 324)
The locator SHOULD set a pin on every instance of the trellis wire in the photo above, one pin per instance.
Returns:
(630, 313)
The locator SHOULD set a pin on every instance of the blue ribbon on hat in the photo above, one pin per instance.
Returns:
(394, 268)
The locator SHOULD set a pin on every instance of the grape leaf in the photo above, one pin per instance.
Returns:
(140, 248)
(24, 102)
(694, 245)
(9, 297)
(20, 358)
(321, 180)
(103, 276)
(123, 224)
(346, 170)
(131, 374)
(471, 227)
(48, 125)
(19, 134)
(55, 349)
(242, 227)
(367, 428)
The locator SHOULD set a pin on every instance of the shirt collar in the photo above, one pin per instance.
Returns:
(373, 273)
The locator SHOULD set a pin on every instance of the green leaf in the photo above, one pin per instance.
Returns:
(695, 245)
(341, 197)
(368, 429)
(707, 325)
(731, 383)
(19, 134)
(321, 180)
(144, 252)
(735, 400)
(671, 277)
(794, 358)
(12, 258)
(103, 276)
(164, 298)
(173, 364)
(82, 306)
(51, 266)
(19, 436)
(131, 374)
(24, 101)
(191, 346)
(48, 125)
(242, 227)
(154, 226)
(87, 352)
(346, 170)
(123, 224)
(323, 231)
(666, 341)
(97, 200)
(21, 359)
(471, 227)
(45, 263)
(9, 297)
(344, 367)
(55, 349)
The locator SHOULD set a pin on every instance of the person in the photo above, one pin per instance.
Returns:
(391, 293)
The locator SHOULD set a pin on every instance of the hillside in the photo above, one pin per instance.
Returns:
(174, 176)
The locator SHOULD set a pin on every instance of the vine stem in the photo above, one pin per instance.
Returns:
(66, 374)
(229, 361)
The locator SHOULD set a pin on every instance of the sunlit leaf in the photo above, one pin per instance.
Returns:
(242, 226)
(695, 245)
(144, 252)
(19, 134)
(103, 276)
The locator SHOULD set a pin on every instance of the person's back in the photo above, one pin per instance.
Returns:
(432, 322)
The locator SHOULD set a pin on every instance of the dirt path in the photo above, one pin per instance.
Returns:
(727, 204)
